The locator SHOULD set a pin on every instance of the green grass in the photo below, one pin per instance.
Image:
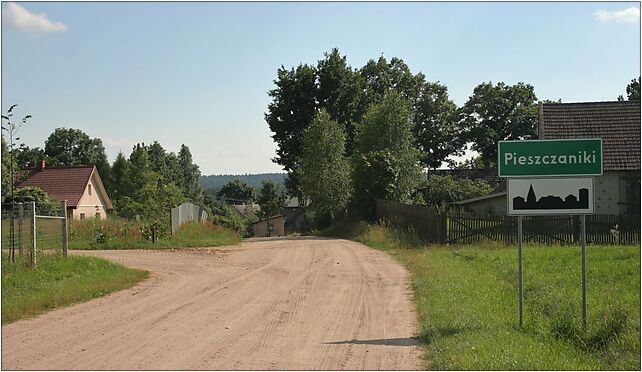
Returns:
(467, 302)
(123, 234)
(57, 282)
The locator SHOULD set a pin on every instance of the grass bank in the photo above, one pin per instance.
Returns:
(467, 302)
(116, 233)
(57, 282)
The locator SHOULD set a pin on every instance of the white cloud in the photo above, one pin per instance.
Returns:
(631, 14)
(23, 20)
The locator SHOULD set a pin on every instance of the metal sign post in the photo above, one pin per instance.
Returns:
(521, 271)
(584, 320)
(550, 177)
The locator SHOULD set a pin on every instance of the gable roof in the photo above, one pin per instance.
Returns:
(65, 183)
(246, 211)
(617, 123)
(479, 198)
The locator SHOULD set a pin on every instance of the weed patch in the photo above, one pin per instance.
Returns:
(57, 282)
(117, 233)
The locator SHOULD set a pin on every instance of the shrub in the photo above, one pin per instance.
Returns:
(34, 194)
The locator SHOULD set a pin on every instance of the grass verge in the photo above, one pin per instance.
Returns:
(467, 302)
(57, 282)
(123, 234)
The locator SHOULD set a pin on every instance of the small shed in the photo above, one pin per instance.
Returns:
(247, 210)
(272, 226)
(295, 217)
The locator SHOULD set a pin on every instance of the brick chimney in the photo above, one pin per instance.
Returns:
(41, 165)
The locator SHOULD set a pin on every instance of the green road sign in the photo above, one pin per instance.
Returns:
(541, 158)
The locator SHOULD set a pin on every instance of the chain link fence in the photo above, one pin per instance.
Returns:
(29, 230)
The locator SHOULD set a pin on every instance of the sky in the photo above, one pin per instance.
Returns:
(198, 73)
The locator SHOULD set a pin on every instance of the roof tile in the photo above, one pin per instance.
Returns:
(63, 183)
(617, 123)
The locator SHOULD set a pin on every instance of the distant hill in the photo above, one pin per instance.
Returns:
(213, 183)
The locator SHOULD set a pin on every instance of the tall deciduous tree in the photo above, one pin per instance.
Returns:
(382, 76)
(237, 190)
(436, 130)
(29, 157)
(292, 108)
(346, 94)
(324, 168)
(270, 199)
(498, 112)
(387, 162)
(340, 93)
(68, 146)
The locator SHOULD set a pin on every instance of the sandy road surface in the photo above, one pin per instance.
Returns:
(278, 304)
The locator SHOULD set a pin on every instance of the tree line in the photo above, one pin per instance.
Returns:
(147, 183)
(214, 183)
(348, 135)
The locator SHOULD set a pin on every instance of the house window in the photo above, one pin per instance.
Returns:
(89, 188)
(82, 216)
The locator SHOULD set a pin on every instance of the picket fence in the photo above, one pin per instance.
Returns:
(466, 228)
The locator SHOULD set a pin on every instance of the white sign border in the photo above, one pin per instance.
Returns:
(580, 175)
(549, 212)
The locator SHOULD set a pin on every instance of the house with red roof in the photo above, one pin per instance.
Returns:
(80, 185)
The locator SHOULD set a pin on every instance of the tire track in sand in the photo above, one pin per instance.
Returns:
(308, 303)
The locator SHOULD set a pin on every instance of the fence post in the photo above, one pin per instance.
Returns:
(443, 231)
(32, 225)
(12, 233)
(507, 230)
(65, 245)
(621, 228)
(21, 240)
(575, 227)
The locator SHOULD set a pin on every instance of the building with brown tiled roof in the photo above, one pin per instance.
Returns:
(617, 191)
(81, 186)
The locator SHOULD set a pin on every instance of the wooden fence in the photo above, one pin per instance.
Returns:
(424, 221)
(469, 228)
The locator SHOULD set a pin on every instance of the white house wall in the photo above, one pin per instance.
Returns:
(607, 193)
(90, 204)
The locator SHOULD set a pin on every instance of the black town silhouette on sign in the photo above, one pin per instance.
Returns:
(551, 201)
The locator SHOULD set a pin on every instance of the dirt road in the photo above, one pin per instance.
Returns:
(307, 303)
